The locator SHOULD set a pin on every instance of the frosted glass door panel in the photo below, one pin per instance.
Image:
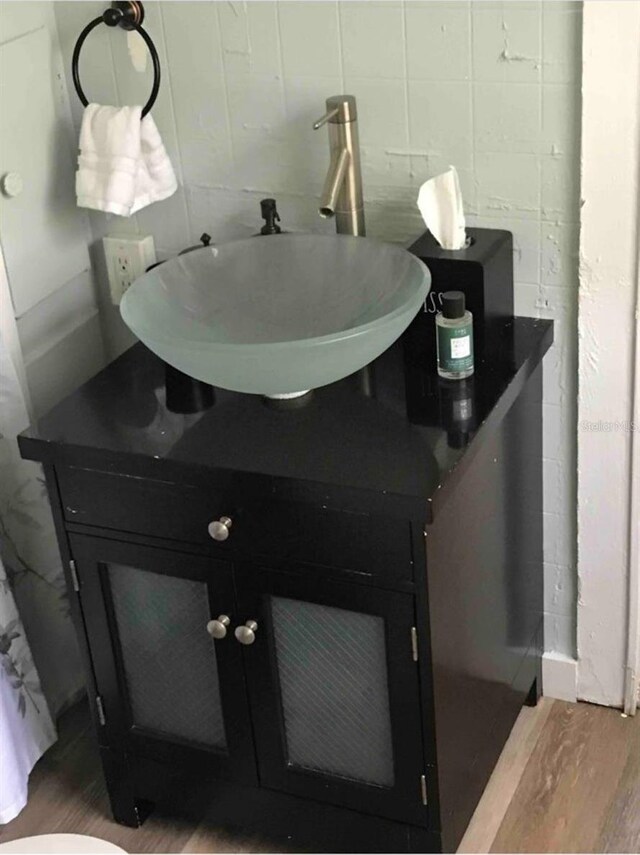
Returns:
(334, 691)
(169, 659)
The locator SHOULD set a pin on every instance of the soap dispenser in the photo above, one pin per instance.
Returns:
(270, 216)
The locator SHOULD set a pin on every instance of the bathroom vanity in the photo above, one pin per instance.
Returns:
(315, 621)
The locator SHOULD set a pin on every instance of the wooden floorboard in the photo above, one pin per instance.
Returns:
(570, 787)
(621, 830)
(505, 779)
(568, 781)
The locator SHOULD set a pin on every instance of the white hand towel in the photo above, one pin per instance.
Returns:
(123, 165)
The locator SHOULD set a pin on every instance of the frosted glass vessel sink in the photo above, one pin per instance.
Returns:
(277, 315)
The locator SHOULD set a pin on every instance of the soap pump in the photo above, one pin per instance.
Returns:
(270, 215)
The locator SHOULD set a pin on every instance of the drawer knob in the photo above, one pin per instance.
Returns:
(219, 529)
(218, 628)
(247, 634)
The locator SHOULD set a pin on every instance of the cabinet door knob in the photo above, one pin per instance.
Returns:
(218, 628)
(219, 529)
(247, 634)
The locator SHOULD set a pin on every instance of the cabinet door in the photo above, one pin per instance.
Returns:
(168, 690)
(333, 687)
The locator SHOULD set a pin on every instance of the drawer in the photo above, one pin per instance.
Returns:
(139, 505)
(262, 528)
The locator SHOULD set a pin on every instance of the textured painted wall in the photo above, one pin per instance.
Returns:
(493, 88)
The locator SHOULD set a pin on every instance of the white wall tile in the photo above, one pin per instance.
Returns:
(193, 41)
(560, 128)
(506, 41)
(526, 249)
(385, 174)
(560, 540)
(366, 24)
(249, 36)
(560, 189)
(382, 112)
(219, 212)
(559, 431)
(96, 69)
(508, 184)
(69, 363)
(559, 589)
(440, 120)
(305, 101)
(507, 118)
(309, 38)
(558, 487)
(559, 255)
(526, 245)
(198, 90)
(560, 368)
(256, 107)
(258, 132)
(167, 222)
(438, 40)
(561, 41)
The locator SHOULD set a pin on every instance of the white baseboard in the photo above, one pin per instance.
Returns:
(559, 677)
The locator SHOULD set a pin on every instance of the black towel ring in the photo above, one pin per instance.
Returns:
(129, 15)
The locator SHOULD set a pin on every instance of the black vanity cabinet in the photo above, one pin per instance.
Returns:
(293, 658)
(340, 671)
(333, 688)
(165, 687)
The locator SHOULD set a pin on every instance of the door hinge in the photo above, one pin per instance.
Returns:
(423, 788)
(414, 644)
(74, 575)
(100, 707)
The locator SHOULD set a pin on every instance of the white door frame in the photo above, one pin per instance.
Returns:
(632, 671)
(609, 357)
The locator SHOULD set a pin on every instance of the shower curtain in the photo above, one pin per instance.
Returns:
(34, 612)
(26, 729)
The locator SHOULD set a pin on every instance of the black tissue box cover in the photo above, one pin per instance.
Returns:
(484, 273)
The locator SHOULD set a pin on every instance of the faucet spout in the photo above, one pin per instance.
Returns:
(342, 192)
(333, 183)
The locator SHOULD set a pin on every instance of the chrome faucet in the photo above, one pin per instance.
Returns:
(342, 193)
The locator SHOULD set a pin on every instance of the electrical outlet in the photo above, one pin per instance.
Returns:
(127, 258)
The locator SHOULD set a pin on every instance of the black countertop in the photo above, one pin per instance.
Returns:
(411, 438)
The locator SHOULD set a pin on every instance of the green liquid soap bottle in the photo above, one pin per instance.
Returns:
(454, 337)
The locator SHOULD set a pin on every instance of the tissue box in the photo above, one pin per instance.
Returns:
(484, 273)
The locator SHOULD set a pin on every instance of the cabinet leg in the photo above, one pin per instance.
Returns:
(125, 808)
(535, 693)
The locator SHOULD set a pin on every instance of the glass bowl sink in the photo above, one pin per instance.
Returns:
(277, 315)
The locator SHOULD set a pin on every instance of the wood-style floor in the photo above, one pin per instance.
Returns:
(568, 781)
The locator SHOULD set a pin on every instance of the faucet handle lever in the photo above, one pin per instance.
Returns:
(324, 119)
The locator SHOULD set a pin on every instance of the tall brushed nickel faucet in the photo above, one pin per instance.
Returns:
(342, 192)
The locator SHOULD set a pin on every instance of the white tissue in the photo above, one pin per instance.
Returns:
(440, 203)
